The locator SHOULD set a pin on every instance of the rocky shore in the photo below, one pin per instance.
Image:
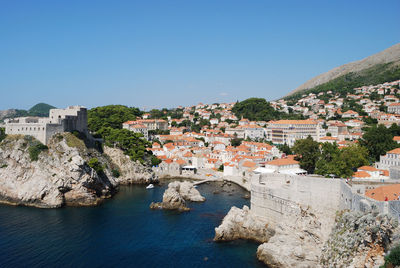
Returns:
(177, 195)
(360, 240)
(242, 224)
(61, 175)
(309, 239)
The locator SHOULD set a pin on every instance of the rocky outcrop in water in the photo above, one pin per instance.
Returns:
(176, 195)
(359, 240)
(130, 172)
(242, 224)
(59, 175)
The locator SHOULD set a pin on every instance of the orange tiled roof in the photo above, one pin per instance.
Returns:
(282, 162)
(367, 168)
(389, 191)
(396, 138)
(394, 151)
(248, 164)
(361, 174)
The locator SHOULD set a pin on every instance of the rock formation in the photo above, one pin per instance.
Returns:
(242, 224)
(176, 195)
(359, 240)
(297, 241)
(130, 172)
(61, 174)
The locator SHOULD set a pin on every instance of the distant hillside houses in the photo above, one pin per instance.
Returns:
(143, 126)
(73, 118)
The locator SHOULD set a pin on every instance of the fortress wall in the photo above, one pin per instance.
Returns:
(36, 130)
(52, 129)
(277, 196)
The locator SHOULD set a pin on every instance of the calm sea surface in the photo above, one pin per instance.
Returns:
(123, 232)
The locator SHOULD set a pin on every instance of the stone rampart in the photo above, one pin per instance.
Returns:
(277, 196)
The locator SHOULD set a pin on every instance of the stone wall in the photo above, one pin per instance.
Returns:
(274, 196)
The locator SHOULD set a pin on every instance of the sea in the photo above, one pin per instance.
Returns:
(124, 232)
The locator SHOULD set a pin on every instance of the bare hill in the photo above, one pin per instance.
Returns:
(391, 54)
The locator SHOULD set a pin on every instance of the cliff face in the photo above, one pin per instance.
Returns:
(130, 172)
(60, 175)
(359, 240)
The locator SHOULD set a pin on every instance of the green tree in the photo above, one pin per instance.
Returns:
(325, 164)
(236, 142)
(378, 140)
(111, 116)
(131, 143)
(255, 109)
(284, 148)
(308, 153)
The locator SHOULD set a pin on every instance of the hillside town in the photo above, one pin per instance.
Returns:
(227, 146)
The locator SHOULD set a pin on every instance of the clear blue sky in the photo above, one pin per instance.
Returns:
(169, 53)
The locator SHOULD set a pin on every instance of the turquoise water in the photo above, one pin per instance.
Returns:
(123, 232)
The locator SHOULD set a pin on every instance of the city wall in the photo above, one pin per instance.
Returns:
(278, 196)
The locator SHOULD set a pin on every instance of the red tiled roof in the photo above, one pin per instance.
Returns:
(380, 193)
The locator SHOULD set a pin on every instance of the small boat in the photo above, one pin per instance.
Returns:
(150, 186)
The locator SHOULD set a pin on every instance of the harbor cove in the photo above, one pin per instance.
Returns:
(124, 232)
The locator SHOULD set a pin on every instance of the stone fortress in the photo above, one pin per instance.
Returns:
(73, 118)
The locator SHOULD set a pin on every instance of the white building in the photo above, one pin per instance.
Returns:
(392, 158)
(288, 131)
(394, 108)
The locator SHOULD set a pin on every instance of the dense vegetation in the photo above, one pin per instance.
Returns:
(111, 116)
(379, 139)
(344, 84)
(327, 159)
(258, 109)
(131, 143)
(106, 122)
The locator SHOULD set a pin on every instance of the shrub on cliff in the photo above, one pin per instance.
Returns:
(2, 133)
(35, 149)
(96, 165)
(393, 258)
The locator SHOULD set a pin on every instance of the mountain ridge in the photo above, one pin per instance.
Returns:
(389, 55)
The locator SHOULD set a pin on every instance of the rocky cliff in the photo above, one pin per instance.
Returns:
(359, 240)
(297, 241)
(57, 176)
(130, 172)
(242, 224)
(309, 239)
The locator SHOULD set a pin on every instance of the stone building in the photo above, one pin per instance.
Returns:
(73, 118)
